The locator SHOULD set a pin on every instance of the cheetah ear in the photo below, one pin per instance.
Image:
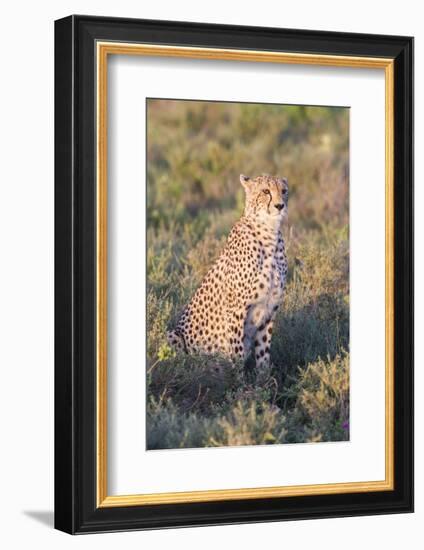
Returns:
(245, 181)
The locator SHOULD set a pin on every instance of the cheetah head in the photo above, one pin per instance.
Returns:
(266, 197)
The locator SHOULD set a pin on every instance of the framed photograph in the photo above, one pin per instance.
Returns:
(234, 274)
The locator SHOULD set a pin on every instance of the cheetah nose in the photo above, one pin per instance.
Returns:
(279, 206)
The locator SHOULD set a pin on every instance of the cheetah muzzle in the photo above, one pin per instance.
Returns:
(233, 310)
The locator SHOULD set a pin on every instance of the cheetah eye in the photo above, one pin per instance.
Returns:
(267, 192)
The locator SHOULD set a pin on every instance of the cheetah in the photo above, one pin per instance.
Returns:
(232, 312)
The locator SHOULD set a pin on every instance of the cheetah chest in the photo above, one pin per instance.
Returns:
(268, 292)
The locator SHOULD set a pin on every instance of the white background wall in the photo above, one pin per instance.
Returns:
(26, 272)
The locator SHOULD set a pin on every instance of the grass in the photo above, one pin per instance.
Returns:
(196, 151)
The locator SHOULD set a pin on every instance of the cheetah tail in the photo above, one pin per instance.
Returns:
(176, 340)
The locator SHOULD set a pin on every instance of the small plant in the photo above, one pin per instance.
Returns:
(165, 352)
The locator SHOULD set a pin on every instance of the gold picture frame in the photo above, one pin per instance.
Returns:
(106, 49)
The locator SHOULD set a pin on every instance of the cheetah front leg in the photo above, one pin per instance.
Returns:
(237, 345)
(263, 343)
